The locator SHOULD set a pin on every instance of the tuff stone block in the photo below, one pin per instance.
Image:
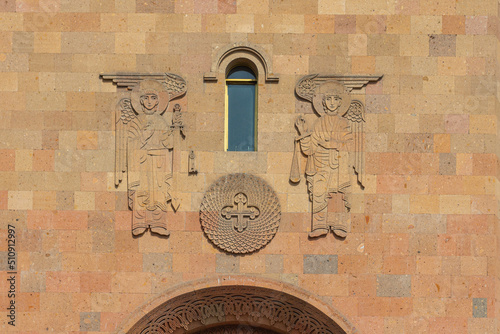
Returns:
(394, 285)
(320, 264)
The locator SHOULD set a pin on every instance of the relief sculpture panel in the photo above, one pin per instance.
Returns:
(240, 213)
(146, 137)
(333, 145)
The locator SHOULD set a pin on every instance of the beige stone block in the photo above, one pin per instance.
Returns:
(252, 6)
(11, 22)
(149, 243)
(452, 66)
(157, 43)
(474, 265)
(331, 7)
(357, 45)
(242, 23)
(407, 123)
(47, 81)
(20, 200)
(291, 64)
(84, 200)
(424, 65)
(454, 204)
(398, 24)
(130, 43)
(298, 203)
(47, 42)
(6, 42)
(424, 204)
(464, 46)
(105, 302)
(46, 101)
(426, 24)
(213, 23)
(292, 24)
(127, 281)
(169, 23)
(139, 22)
(125, 6)
(117, 63)
(192, 23)
(114, 22)
(24, 160)
(483, 124)
(255, 264)
(445, 7)
(414, 45)
(481, 7)
(429, 307)
(279, 162)
(400, 203)
(440, 85)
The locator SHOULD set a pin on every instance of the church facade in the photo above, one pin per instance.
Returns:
(264, 166)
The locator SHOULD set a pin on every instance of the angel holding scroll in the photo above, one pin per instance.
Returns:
(333, 147)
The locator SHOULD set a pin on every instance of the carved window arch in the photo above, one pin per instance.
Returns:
(241, 95)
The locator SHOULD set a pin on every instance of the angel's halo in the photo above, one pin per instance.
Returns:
(150, 85)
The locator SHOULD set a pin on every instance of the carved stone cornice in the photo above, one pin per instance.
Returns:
(306, 85)
(174, 83)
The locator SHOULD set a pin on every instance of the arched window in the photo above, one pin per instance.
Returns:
(241, 107)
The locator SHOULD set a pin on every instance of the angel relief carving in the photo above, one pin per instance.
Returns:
(334, 149)
(146, 136)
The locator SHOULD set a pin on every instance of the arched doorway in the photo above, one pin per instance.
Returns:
(236, 329)
(237, 309)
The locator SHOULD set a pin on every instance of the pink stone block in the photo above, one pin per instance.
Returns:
(456, 123)
(476, 25)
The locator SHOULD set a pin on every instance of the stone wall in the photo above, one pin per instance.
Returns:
(421, 254)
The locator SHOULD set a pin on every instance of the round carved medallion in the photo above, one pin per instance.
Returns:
(240, 213)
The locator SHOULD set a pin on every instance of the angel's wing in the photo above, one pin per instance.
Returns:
(124, 114)
(356, 117)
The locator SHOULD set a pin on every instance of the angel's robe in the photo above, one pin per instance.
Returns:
(150, 141)
(327, 149)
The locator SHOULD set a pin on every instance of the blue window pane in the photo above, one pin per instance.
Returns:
(241, 117)
(241, 72)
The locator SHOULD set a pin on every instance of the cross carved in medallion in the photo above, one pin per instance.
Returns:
(240, 213)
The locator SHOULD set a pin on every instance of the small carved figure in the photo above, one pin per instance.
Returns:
(144, 149)
(191, 163)
(333, 146)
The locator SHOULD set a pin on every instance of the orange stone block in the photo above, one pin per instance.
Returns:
(95, 282)
(385, 306)
(363, 285)
(399, 265)
(431, 286)
(62, 282)
(7, 160)
(448, 325)
(453, 24)
(43, 160)
(28, 302)
(484, 164)
(70, 220)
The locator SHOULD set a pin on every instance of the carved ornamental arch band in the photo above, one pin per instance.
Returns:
(244, 54)
(236, 309)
